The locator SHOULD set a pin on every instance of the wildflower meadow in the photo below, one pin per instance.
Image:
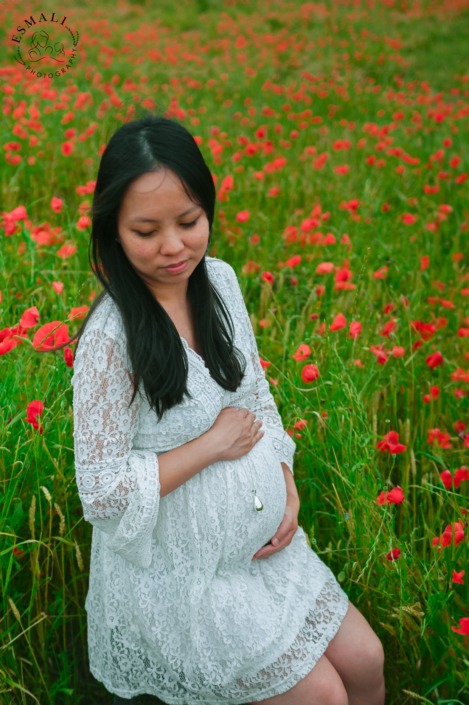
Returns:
(337, 135)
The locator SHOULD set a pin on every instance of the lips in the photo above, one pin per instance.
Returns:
(177, 264)
(176, 269)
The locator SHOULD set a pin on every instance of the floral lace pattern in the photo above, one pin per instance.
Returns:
(176, 608)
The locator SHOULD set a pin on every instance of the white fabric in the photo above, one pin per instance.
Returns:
(176, 608)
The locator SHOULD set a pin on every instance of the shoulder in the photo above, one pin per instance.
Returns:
(104, 336)
(106, 318)
(223, 275)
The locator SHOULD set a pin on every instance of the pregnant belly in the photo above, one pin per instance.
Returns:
(209, 525)
(247, 530)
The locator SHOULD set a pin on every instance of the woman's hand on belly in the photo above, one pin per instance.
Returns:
(285, 532)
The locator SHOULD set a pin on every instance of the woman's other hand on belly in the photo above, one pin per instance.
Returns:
(285, 532)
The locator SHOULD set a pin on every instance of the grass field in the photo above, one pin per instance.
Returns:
(337, 134)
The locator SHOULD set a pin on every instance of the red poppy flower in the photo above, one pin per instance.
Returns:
(50, 335)
(267, 277)
(302, 352)
(389, 327)
(434, 360)
(394, 554)
(390, 442)
(83, 222)
(397, 351)
(67, 148)
(67, 251)
(324, 268)
(381, 356)
(343, 275)
(458, 577)
(408, 218)
(68, 356)
(264, 363)
(30, 318)
(79, 312)
(442, 438)
(293, 261)
(461, 474)
(447, 479)
(395, 496)
(33, 410)
(381, 273)
(338, 322)
(447, 534)
(7, 342)
(56, 204)
(309, 373)
(463, 626)
(355, 329)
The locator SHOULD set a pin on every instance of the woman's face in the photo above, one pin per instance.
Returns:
(160, 226)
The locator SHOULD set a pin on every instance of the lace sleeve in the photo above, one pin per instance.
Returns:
(119, 487)
(261, 401)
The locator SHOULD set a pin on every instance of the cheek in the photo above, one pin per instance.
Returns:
(200, 236)
(140, 251)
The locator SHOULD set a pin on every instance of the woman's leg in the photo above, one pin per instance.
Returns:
(357, 655)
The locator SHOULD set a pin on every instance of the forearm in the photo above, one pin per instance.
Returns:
(292, 492)
(177, 466)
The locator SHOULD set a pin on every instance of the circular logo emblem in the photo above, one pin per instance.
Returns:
(45, 45)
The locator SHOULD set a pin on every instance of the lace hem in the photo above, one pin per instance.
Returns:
(303, 649)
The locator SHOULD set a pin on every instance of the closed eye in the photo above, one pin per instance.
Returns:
(189, 225)
(183, 225)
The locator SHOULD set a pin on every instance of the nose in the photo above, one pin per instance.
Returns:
(171, 243)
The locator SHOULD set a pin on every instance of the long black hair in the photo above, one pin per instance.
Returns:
(154, 346)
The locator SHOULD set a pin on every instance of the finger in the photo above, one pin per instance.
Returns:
(265, 551)
(286, 541)
(283, 540)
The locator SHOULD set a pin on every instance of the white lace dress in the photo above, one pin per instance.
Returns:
(176, 608)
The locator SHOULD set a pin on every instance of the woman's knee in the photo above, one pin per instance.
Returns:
(371, 653)
(332, 693)
(356, 651)
(366, 665)
(324, 686)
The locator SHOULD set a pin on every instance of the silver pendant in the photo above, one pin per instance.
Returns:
(258, 506)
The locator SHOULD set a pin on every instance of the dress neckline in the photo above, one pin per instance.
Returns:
(196, 354)
(202, 363)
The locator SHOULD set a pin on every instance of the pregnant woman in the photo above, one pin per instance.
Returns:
(203, 588)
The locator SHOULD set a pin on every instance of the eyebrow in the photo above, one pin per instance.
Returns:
(155, 220)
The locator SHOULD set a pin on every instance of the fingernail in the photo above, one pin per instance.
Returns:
(275, 542)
